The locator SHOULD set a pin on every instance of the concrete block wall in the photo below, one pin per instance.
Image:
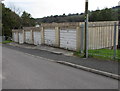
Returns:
(69, 35)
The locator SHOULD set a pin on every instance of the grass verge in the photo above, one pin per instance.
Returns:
(5, 42)
(105, 54)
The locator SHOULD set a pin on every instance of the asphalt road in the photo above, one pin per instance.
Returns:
(21, 71)
(103, 65)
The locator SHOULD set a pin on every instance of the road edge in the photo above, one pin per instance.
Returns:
(107, 74)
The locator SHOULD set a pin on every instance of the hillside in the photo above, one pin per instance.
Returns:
(107, 14)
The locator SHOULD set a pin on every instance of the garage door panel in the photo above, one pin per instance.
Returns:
(49, 37)
(37, 37)
(28, 37)
(68, 39)
(21, 40)
(15, 37)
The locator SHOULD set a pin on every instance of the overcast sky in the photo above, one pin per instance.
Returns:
(41, 8)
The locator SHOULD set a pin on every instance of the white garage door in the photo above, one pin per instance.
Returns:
(68, 39)
(15, 37)
(28, 38)
(21, 39)
(37, 38)
(49, 35)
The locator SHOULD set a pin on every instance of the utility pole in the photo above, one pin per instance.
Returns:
(86, 29)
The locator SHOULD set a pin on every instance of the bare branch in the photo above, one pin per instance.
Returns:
(15, 9)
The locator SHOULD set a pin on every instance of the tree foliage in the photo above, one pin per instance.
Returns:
(11, 20)
(107, 14)
(27, 20)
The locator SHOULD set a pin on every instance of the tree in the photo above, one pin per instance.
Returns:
(106, 15)
(10, 20)
(27, 20)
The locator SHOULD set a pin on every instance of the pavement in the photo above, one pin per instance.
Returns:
(104, 67)
(44, 48)
(22, 71)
